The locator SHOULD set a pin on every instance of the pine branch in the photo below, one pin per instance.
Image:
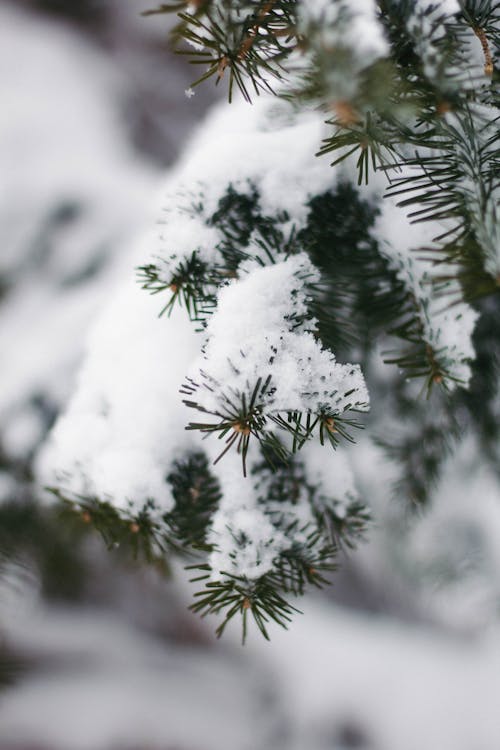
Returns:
(191, 285)
(235, 595)
(148, 533)
(459, 182)
(244, 42)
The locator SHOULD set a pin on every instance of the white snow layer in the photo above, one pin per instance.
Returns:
(443, 7)
(72, 193)
(244, 530)
(353, 25)
(127, 405)
(351, 28)
(251, 336)
(427, 24)
(125, 424)
(246, 542)
(447, 328)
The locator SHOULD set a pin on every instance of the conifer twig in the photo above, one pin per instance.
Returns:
(488, 59)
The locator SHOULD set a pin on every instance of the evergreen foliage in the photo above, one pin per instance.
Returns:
(414, 102)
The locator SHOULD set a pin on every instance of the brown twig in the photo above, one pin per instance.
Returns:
(247, 43)
(488, 60)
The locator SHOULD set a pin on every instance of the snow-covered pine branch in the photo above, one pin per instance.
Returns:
(277, 281)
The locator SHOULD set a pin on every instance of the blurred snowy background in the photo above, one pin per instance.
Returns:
(97, 653)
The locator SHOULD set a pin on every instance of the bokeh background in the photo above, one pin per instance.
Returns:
(96, 651)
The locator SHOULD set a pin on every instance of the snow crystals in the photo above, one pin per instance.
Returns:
(351, 24)
(127, 406)
(261, 330)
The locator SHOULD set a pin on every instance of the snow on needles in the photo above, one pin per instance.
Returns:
(118, 434)
(245, 540)
(427, 23)
(125, 425)
(448, 329)
(351, 24)
(261, 330)
(352, 29)
(253, 526)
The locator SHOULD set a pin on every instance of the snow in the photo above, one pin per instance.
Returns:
(270, 131)
(334, 478)
(447, 328)
(457, 544)
(246, 542)
(125, 405)
(348, 24)
(427, 24)
(337, 677)
(256, 333)
(250, 531)
(445, 7)
(72, 193)
(119, 688)
(126, 402)
(390, 684)
(352, 31)
(182, 232)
